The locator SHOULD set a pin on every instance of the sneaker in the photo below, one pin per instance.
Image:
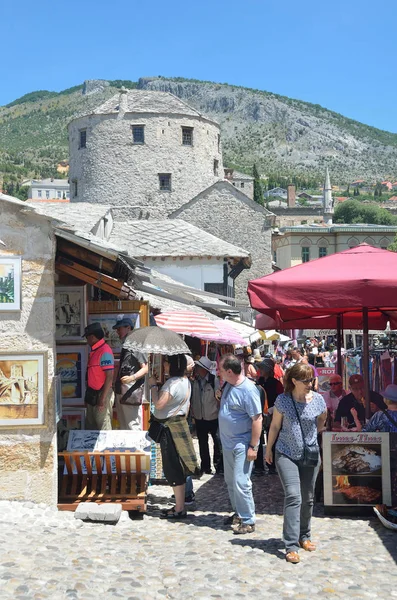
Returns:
(190, 499)
(233, 520)
(242, 528)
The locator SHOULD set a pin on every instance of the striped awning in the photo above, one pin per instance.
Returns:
(187, 323)
(196, 325)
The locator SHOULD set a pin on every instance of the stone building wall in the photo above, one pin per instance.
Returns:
(228, 214)
(28, 461)
(112, 169)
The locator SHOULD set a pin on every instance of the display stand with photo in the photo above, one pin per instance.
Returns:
(356, 469)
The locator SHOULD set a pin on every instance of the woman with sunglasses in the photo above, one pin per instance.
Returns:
(299, 414)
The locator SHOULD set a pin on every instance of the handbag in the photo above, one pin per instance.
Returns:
(92, 396)
(133, 398)
(311, 454)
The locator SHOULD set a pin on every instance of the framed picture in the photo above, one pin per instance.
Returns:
(58, 397)
(10, 283)
(72, 419)
(71, 366)
(70, 313)
(107, 321)
(22, 389)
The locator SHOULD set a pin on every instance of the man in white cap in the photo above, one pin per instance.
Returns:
(204, 409)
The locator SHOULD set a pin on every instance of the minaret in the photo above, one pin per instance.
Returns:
(328, 201)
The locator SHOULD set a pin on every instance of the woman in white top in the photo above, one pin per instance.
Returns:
(171, 406)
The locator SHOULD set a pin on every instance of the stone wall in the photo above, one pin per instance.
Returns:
(111, 169)
(28, 461)
(228, 214)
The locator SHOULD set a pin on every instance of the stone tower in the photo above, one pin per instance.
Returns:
(144, 152)
(328, 200)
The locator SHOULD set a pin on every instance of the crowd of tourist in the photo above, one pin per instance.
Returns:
(244, 403)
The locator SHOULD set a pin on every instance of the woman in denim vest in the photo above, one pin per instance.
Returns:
(299, 414)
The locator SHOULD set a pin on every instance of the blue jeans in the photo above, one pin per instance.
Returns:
(189, 486)
(298, 483)
(237, 473)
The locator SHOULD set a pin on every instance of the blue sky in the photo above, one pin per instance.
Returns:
(340, 54)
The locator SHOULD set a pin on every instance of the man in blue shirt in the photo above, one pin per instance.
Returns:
(240, 426)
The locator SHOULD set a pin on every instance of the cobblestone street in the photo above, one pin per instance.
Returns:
(49, 554)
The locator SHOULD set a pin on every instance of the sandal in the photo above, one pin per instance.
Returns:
(292, 557)
(173, 514)
(307, 545)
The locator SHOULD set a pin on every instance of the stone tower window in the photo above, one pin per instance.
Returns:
(242, 184)
(216, 167)
(138, 134)
(74, 188)
(219, 142)
(165, 182)
(83, 138)
(187, 136)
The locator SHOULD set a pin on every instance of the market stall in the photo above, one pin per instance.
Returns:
(355, 289)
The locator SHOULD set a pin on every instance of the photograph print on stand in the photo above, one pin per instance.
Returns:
(22, 389)
(71, 366)
(10, 283)
(70, 313)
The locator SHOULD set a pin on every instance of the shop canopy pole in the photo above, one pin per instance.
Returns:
(206, 348)
(339, 341)
(366, 363)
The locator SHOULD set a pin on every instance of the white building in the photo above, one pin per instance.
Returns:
(294, 245)
(49, 189)
(184, 252)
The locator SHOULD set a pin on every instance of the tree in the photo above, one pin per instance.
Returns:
(258, 192)
(353, 211)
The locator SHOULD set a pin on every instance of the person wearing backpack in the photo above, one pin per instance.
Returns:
(130, 380)
(204, 409)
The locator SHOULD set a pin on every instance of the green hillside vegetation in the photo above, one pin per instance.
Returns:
(289, 140)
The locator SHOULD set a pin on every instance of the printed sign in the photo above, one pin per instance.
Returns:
(356, 468)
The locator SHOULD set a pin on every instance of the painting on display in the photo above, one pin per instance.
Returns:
(22, 389)
(356, 468)
(107, 321)
(70, 313)
(10, 283)
(72, 419)
(71, 366)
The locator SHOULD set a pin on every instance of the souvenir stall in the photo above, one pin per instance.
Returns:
(353, 289)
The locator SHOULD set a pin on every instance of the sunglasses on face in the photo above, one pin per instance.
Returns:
(305, 380)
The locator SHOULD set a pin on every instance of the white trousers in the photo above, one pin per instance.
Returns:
(129, 417)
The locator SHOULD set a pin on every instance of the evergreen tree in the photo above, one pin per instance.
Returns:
(258, 192)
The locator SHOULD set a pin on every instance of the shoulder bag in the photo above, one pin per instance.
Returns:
(157, 429)
(311, 454)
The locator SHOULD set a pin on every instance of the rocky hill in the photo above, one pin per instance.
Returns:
(278, 133)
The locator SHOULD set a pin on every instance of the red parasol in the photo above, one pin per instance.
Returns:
(335, 287)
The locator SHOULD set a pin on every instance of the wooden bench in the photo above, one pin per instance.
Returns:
(104, 477)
